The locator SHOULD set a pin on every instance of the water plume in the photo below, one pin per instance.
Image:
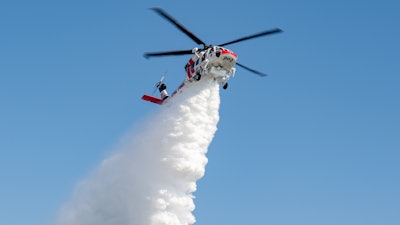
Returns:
(151, 177)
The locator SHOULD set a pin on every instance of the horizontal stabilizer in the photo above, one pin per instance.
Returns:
(152, 99)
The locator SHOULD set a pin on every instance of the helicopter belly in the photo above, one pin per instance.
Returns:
(217, 72)
(225, 60)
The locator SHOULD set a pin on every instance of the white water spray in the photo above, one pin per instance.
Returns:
(151, 178)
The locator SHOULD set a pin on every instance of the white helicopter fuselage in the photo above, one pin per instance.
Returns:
(212, 63)
(215, 61)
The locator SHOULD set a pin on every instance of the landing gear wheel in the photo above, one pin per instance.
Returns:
(197, 77)
(225, 86)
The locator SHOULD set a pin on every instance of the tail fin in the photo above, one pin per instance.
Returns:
(163, 92)
(152, 99)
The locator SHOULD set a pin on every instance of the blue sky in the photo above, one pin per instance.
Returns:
(316, 142)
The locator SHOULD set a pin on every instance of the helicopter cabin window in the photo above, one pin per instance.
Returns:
(218, 51)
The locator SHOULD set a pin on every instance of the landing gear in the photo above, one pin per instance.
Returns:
(197, 77)
(225, 86)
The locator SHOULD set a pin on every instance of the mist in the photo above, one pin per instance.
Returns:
(150, 178)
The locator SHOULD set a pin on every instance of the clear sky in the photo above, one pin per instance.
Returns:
(315, 142)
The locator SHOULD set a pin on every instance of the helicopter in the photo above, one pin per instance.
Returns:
(210, 61)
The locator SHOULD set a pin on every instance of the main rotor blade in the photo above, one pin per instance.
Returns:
(154, 54)
(267, 32)
(252, 70)
(178, 25)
